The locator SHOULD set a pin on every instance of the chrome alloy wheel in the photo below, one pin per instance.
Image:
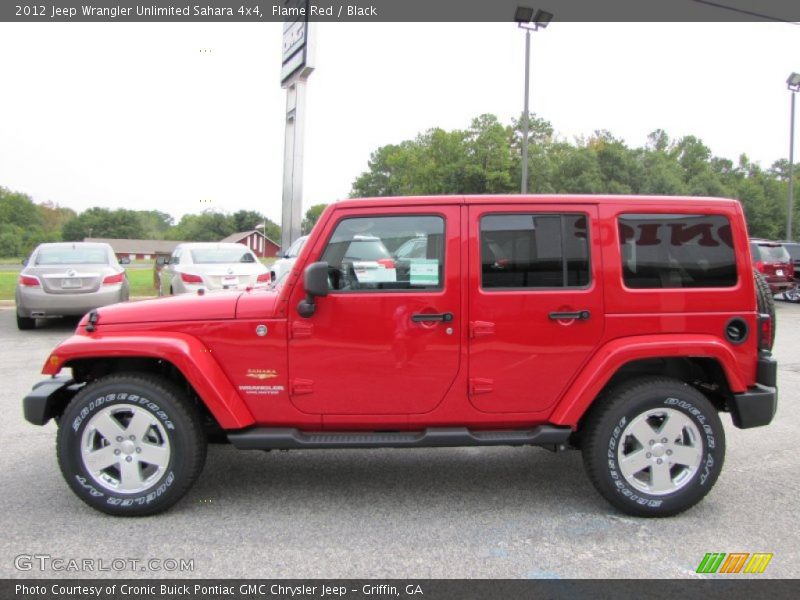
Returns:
(125, 449)
(660, 451)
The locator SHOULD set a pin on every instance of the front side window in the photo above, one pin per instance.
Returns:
(534, 251)
(676, 251)
(369, 253)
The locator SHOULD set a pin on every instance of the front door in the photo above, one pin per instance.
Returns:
(536, 303)
(385, 338)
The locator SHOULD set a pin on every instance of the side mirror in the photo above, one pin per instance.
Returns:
(125, 260)
(24, 262)
(161, 261)
(315, 281)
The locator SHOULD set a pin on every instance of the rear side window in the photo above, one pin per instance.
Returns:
(676, 251)
(534, 251)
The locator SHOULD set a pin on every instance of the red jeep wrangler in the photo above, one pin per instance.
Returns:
(620, 326)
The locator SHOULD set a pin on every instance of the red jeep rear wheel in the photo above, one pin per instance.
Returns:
(654, 447)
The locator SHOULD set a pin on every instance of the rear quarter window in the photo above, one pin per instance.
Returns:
(662, 251)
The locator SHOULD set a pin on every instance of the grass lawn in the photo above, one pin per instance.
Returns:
(141, 282)
(8, 281)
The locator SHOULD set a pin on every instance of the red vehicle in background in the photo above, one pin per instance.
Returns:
(773, 261)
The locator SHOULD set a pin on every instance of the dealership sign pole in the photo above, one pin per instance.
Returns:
(297, 65)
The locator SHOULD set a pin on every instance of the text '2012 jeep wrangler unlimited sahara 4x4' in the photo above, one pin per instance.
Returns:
(621, 326)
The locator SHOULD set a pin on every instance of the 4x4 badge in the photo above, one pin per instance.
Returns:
(261, 330)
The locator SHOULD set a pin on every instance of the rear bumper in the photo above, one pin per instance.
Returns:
(35, 302)
(757, 406)
(777, 287)
(48, 398)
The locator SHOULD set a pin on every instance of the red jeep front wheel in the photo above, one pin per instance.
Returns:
(130, 444)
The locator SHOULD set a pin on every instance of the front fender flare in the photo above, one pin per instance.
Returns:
(617, 353)
(188, 354)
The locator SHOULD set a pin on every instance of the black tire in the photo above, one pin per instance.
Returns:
(173, 425)
(607, 435)
(765, 303)
(25, 323)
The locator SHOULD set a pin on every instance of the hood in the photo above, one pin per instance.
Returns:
(211, 306)
(186, 307)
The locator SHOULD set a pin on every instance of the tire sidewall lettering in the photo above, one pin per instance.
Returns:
(122, 397)
(704, 473)
(84, 479)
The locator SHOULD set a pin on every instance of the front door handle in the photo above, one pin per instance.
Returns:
(432, 317)
(580, 315)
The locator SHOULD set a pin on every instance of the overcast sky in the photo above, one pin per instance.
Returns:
(136, 116)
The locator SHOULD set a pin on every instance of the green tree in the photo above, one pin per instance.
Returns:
(245, 220)
(312, 216)
(53, 217)
(155, 224)
(208, 226)
(100, 222)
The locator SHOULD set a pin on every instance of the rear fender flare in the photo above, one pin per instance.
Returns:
(188, 354)
(614, 355)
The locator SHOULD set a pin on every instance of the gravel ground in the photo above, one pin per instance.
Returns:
(451, 513)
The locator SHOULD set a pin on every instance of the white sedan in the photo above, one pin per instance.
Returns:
(211, 266)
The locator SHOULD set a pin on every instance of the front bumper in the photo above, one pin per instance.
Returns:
(757, 406)
(48, 398)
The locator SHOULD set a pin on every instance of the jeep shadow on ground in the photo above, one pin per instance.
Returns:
(395, 479)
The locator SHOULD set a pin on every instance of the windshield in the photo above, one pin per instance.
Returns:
(773, 254)
(221, 255)
(295, 248)
(72, 255)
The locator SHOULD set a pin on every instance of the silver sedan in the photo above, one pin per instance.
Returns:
(68, 279)
(211, 266)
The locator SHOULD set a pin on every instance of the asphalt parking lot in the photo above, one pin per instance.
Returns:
(451, 513)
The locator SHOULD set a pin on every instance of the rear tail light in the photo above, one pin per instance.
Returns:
(263, 278)
(29, 281)
(114, 279)
(764, 331)
(387, 263)
(189, 278)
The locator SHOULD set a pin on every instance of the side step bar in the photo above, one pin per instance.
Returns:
(269, 438)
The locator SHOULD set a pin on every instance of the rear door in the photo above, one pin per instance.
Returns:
(536, 303)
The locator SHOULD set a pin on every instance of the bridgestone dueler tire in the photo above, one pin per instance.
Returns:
(765, 303)
(606, 423)
(173, 415)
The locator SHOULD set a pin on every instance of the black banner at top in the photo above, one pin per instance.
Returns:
(255, 11)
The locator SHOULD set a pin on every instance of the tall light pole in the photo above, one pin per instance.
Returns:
(529, 21)
(793, 83)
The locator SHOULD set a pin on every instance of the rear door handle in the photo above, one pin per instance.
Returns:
(580, 315)
(432, 317)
